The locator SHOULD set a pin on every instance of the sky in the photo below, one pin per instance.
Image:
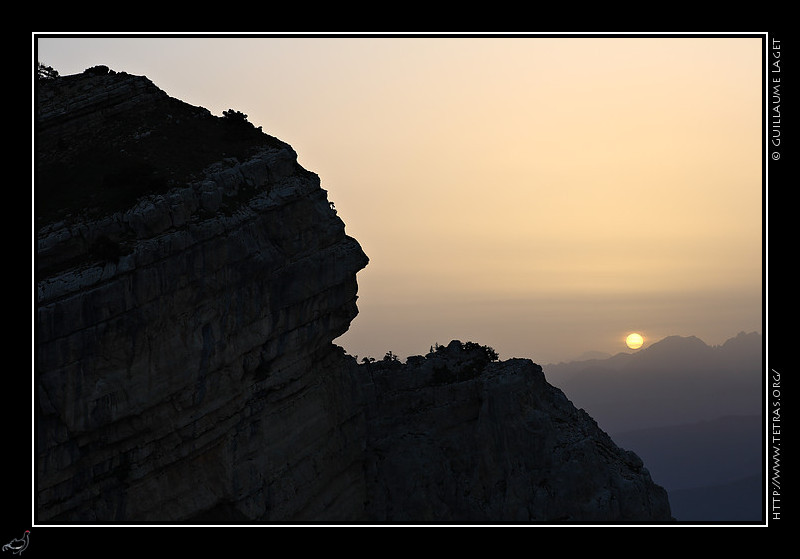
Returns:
(545, 196)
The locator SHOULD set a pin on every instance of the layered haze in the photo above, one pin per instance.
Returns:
(544, 196)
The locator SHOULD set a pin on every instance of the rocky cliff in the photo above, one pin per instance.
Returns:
(191, 277)
(458, 435)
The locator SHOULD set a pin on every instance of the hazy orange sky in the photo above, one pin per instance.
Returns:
(544, 196)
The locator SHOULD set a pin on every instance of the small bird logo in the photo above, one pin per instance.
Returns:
(17, 546)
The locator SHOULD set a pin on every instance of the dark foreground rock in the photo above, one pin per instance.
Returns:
(191, 277)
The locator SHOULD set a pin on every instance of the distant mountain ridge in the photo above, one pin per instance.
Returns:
(674, 381)
(692, 412)
(742, 345)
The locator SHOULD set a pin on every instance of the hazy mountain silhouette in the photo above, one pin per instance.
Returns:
(692, 412)
(674, 381)
(704, 453)
(587, 355)
(712, 470)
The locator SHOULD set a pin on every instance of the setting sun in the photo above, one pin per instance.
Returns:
(634, 341)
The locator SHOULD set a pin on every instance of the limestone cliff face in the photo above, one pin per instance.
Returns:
(191, 278)
(180, 340)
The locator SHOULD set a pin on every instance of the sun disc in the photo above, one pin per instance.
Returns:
(634, 341)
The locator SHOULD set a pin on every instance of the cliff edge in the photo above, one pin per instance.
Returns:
(190, 279)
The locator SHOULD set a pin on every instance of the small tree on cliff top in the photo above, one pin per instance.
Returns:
(238, 119)
(45, 72)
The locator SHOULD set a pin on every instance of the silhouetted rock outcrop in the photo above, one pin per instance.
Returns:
(457, 436)
(191, 277)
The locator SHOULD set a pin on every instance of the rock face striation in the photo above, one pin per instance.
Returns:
(191, 277)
